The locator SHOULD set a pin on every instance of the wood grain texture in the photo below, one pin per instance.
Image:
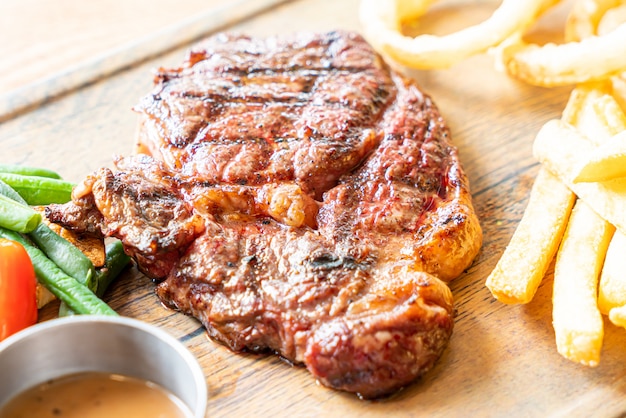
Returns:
(501, 361)
(105, 37)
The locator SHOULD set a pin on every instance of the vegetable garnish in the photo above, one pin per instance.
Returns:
(116, 261)
(58, 264)
(18, 304)
(39, 190)
(69, 258)
(16, 216)
(76, 295)
(28, 171)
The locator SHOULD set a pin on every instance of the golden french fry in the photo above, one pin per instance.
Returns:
(618, 316)
(381, 22)
(559, 147)
(608, 117)
(607, 162)
(612, 287)
(619, 89)
(596, 113)
(580, 110)
(577, 322)
(592, 58)
(523, 264)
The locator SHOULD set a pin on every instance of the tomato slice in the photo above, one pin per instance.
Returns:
(18, 298)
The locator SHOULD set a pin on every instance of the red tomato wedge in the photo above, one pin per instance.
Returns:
(18, 299)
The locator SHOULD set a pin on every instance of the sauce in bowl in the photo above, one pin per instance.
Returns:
(95, 395)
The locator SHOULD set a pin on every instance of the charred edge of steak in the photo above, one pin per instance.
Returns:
(83, 217)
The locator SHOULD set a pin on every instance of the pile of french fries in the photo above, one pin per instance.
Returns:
(577, 210)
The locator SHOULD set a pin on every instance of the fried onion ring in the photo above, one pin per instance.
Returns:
(585, 17)
(382, 21)
(588, 56)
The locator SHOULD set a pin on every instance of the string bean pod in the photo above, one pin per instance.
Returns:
(116, 261)
(39, 190)
(28, 171)
(74, 294)
(16, 216)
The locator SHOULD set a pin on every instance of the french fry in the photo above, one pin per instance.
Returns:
(559, 147)
(608, 120)
(577, 321)
(618, 316)
(594, 111)
(523, 264)
(599, 116)
(619, 89)
(607, 162)
(612, 287)
(92, 247)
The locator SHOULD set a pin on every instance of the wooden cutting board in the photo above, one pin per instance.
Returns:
(501, 361)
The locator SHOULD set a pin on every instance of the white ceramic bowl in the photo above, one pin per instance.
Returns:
(101, 344)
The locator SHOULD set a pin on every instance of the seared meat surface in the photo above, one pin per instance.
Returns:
(295, 195)
(253, 111)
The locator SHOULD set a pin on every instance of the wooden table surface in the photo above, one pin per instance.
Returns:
(501, 360)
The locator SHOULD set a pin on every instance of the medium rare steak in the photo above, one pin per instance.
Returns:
(296, 196)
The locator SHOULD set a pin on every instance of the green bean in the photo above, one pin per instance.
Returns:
(64, 310)
(116, 261)
(8, 191)
(39, 190)
(64, 254)
(77, 296)
(28, 171)
(16, 216)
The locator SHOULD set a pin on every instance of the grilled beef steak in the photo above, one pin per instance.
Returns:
(295, 195)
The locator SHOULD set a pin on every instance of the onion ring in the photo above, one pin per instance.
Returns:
(589, 53)
(585, 17)
(382, 21)
(590, 59)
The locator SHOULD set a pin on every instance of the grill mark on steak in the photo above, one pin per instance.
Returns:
(321, 97)
(313, 218)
